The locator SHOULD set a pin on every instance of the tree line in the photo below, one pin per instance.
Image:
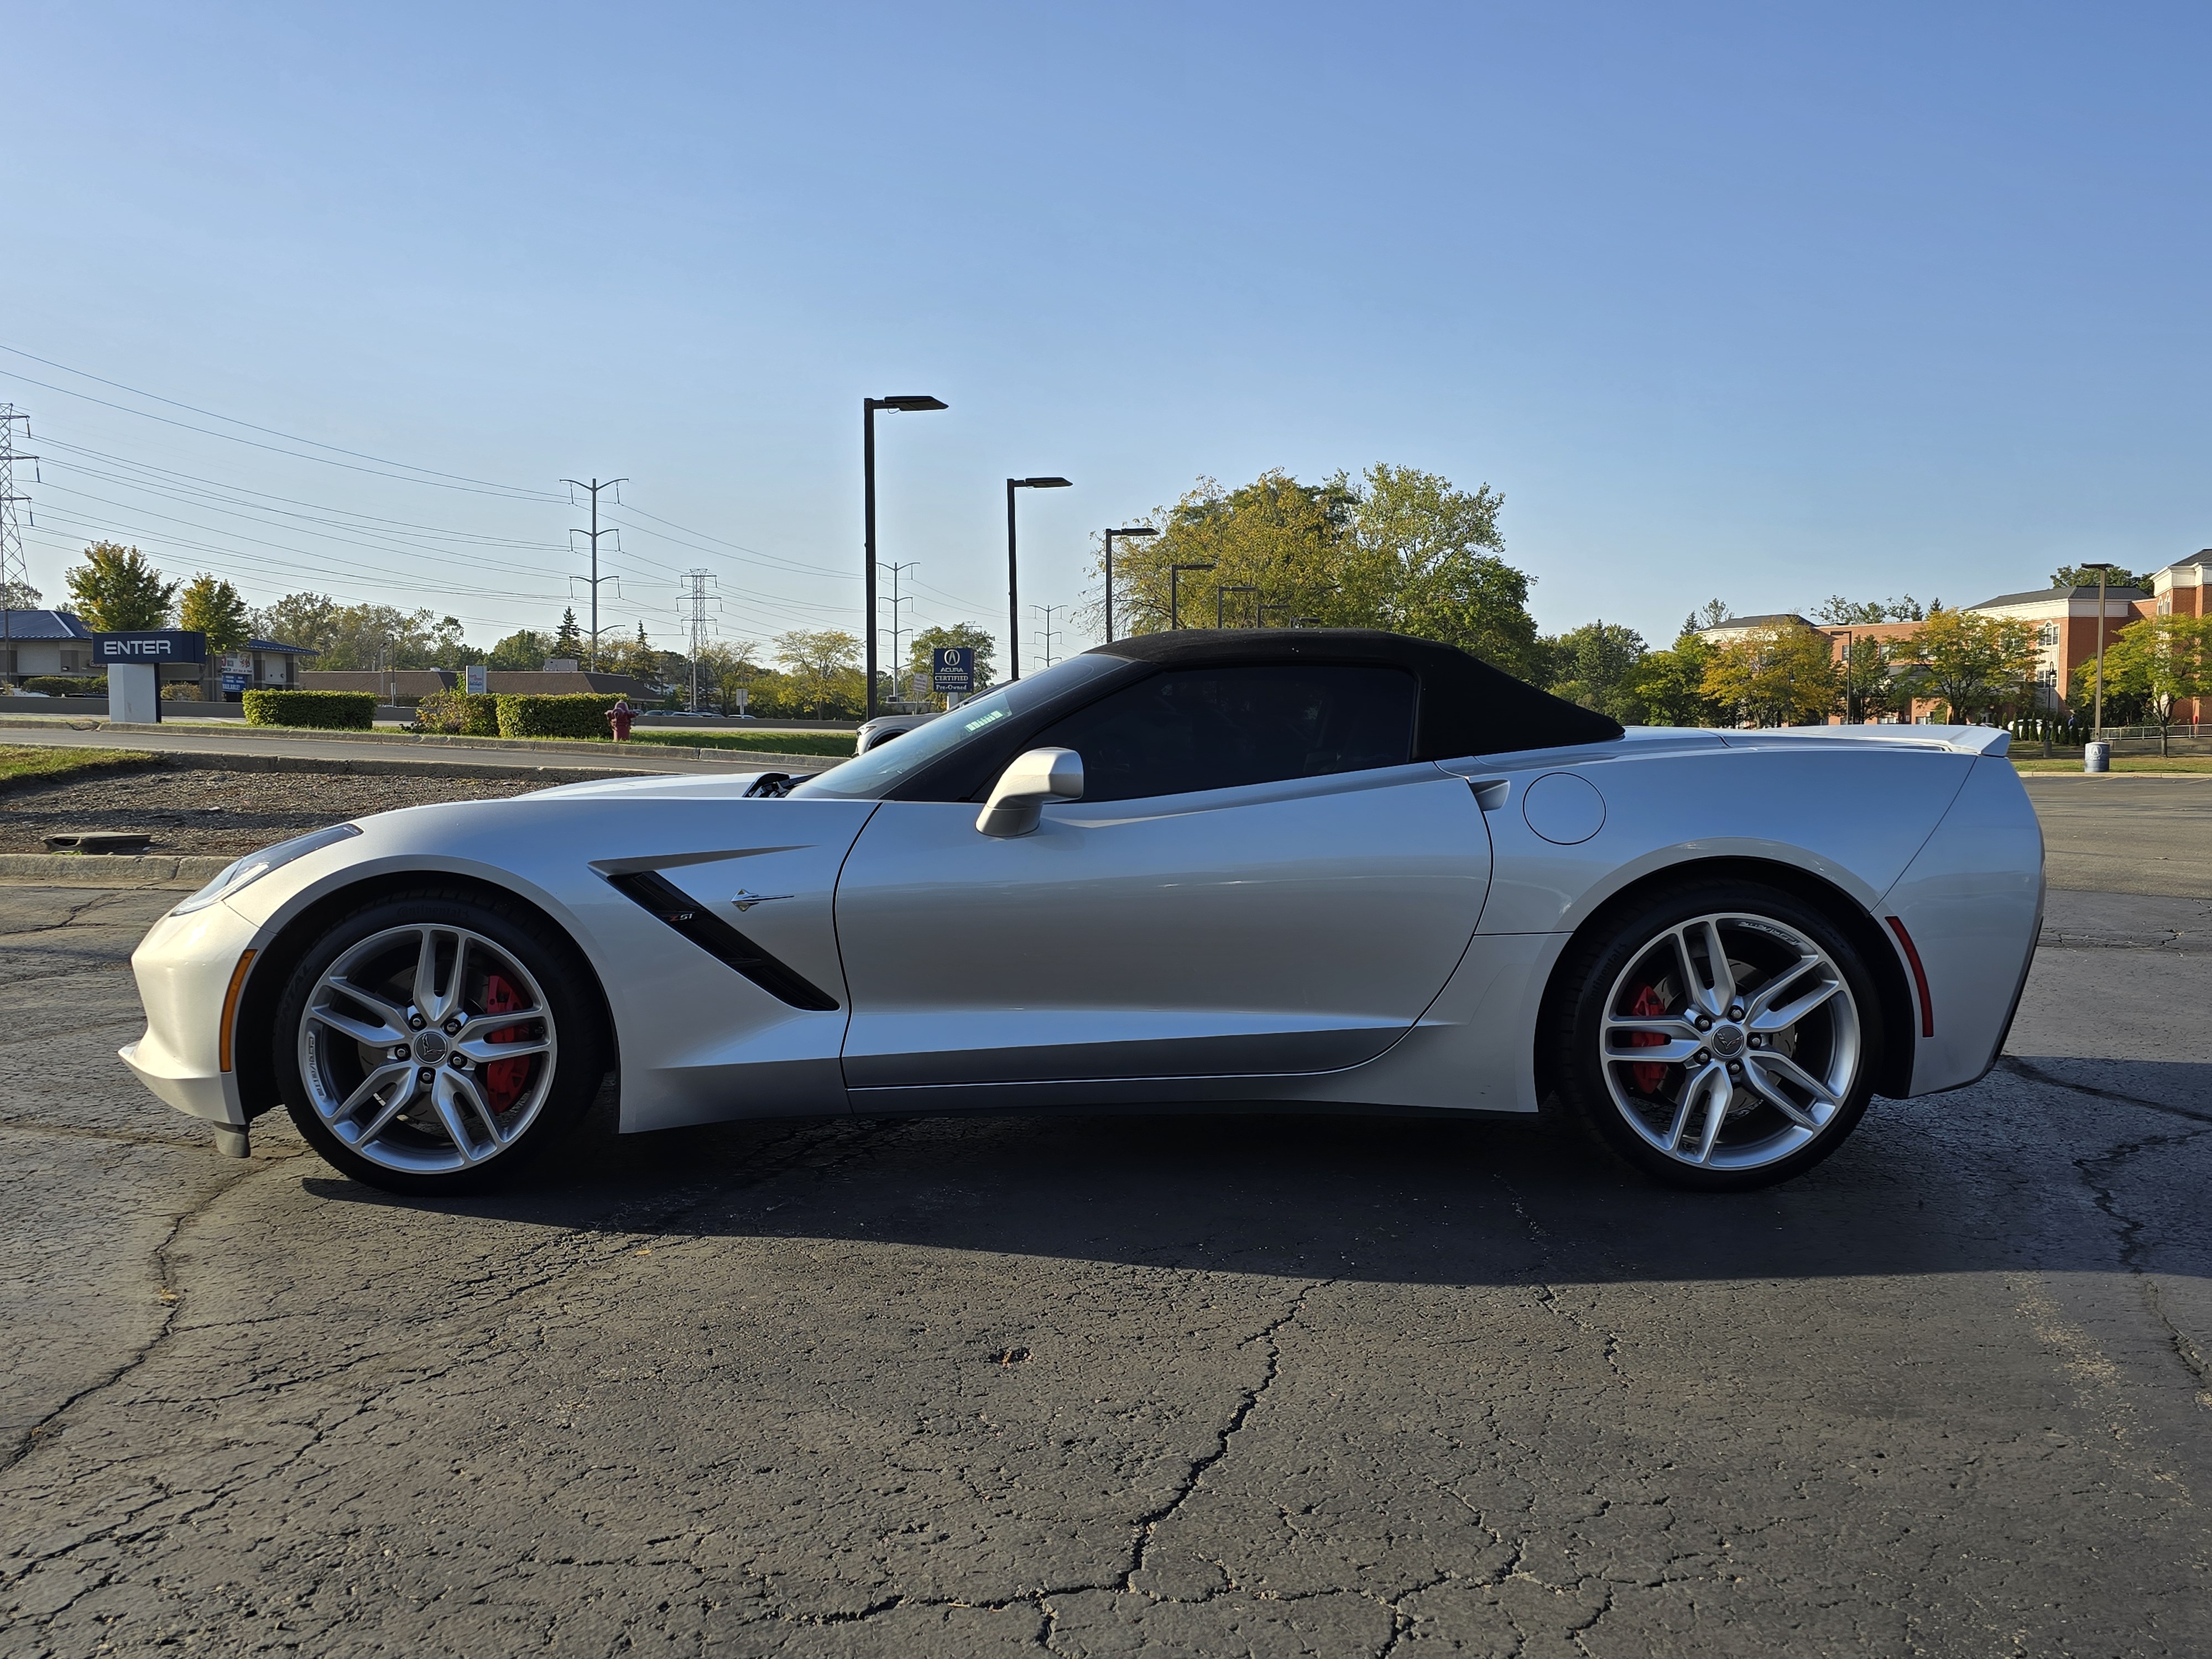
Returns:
(1396, 548)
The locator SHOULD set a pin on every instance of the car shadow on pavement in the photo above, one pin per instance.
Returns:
(2018, 1172)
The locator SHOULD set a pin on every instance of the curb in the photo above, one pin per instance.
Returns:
(112, 870)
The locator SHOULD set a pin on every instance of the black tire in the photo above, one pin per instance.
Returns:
(1632, 1106)
(563, 1010)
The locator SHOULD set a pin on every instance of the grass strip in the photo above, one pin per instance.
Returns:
(2171, 763)
(22, 763)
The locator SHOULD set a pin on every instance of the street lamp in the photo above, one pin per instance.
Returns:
(1134, 532)
(1234, 587)
(1174, 596)
(2103, 568)
(1013, 579)
(905, 405)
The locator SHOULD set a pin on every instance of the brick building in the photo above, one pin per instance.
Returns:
(2064, 619)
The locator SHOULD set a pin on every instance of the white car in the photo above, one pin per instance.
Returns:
(874, 733)
(1192, 869)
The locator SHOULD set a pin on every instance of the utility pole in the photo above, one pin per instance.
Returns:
(1049, 632)
(595, 532)
(695, 599)
(14, 568)
(897, 633)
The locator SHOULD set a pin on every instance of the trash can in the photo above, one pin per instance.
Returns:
(2097, 757)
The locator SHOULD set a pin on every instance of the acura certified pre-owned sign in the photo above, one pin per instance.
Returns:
(155, 645)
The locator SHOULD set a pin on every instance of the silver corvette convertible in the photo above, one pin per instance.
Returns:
(1337, 870)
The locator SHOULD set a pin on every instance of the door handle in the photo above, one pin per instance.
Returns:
(1490, 793)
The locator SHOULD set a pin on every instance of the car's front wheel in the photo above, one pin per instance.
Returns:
(433, 1042)
(1721, 1036)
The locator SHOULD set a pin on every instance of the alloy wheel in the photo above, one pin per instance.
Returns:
(428, 1048)
(1729, 1041)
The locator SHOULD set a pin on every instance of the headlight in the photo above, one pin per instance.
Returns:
(250, 869)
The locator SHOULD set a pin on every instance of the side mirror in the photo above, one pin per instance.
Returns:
(1017, 799)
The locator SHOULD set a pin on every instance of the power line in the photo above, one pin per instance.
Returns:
(230, 420)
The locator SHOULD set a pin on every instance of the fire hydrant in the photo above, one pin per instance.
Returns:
(619, 717)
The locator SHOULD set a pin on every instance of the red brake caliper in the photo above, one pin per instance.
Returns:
(1648, 1074)
(503, 1079)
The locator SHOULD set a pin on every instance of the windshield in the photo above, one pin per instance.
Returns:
(870, 776)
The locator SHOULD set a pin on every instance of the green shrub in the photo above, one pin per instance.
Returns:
(324, 711)
(67, 685)
(460, 712)
(578, 715)
(181, 691)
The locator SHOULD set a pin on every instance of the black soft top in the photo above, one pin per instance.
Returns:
(1466, 706)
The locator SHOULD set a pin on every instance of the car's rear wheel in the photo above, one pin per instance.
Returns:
(434, 1042)
(1720, 1036)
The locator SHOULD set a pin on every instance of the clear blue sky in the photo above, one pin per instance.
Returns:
(1754, 302)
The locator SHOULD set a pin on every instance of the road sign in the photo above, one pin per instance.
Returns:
(953, 668)
(154, 645)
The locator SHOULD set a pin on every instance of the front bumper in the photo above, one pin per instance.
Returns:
(183, 967)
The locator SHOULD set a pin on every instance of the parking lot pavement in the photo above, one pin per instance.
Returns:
(1092, 1385)
(2126, 832)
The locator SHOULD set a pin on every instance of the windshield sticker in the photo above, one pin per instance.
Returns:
(977, 725)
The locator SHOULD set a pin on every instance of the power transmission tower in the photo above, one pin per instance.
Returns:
(692, 604)
(897, 633)
(1048, 634)
(14, 567)
(595, 532)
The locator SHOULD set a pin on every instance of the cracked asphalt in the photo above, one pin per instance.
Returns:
(1093, 1385)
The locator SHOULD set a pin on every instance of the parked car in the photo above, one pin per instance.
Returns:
(1318, 867)
(881, 730)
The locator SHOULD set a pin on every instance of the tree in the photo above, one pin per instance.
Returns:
(362, 636)
(1595, 666)
(522, 652)
(116, 589)
(1969, 664)
(2164, 661)
(1866, 682)
(20, 596)
(212, 607)
(1781, 676)
(1670, 684)
(2073, 576)
(1401, 550)
(940, 638)
(1711, 614)
(568, 639)
(823, 668)
(1424, 561)
(1839, 612)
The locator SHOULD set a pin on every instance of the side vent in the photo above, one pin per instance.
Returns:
(698, 923)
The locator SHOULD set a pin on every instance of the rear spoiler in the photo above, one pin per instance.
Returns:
(1959, 739)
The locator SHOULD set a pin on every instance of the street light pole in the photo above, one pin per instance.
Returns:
(1134, 533)
(1175, 591)
(2103, 569)
(911, 405)
(1013, 574)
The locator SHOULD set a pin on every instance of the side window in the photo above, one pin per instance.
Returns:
(1213, 728)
